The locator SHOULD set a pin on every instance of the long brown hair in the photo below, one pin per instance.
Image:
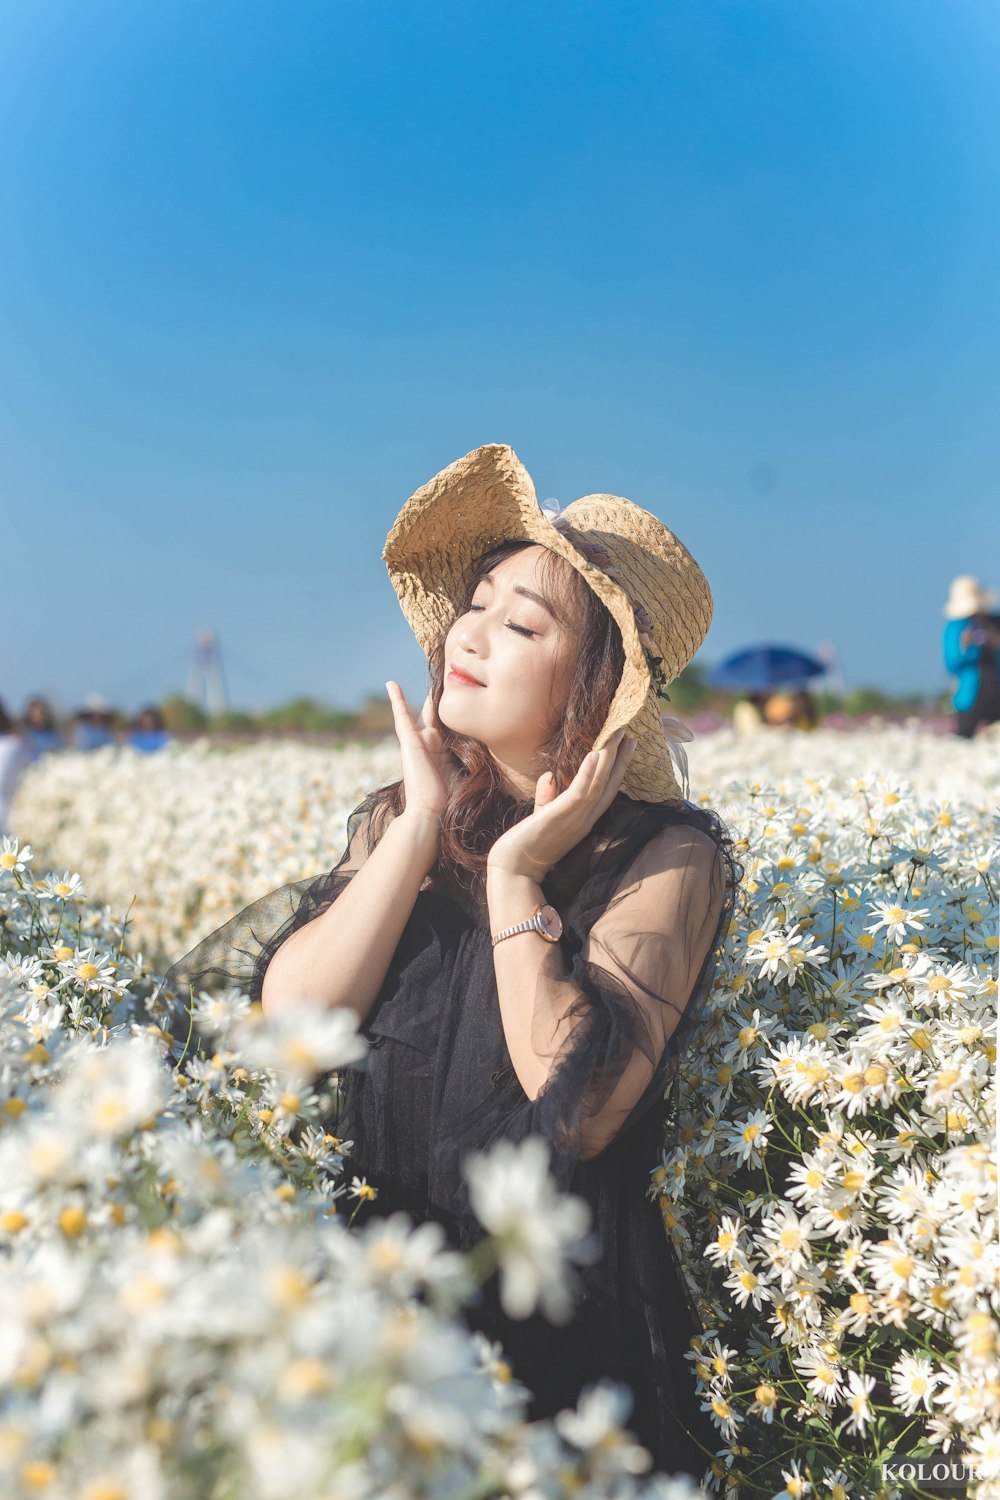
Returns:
(8, 724)
(480, 807)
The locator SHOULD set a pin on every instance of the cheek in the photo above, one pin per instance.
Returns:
(547, 680)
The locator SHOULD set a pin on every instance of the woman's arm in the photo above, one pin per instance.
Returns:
(532, 1005)
(343, 956)
(956, 653)
(640, 960)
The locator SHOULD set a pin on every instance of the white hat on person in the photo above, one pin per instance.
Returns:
(966, 597)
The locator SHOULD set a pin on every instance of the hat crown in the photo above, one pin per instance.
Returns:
(649, 563)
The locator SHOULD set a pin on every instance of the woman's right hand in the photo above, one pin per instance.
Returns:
(428, 768)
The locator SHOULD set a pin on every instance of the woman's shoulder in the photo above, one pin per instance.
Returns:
(683, 836)
(629, 829)
(642, 821)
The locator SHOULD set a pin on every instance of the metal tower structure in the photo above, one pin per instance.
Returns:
(827, 653)
(206, 684)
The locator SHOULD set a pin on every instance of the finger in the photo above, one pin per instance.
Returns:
(545, 789)
(620, 768)
(586, 771)
(427, 718)
(614, 770)
(605, 757)
(400, 710)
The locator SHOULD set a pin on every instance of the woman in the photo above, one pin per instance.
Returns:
(971, 647)
(748, 713)
(149, 731)
(527, 922)
(41, 733)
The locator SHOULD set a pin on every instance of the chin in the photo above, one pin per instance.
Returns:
(450, 714)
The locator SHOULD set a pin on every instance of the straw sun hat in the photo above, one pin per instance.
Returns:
(966, 596)
(646, 577)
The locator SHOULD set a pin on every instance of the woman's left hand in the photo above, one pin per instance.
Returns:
(560, 821)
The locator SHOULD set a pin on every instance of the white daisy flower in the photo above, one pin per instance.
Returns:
(217, 1014)
(748, 1142)
(859, 1388)
(727, 1241)
(299, 1041)
(67, 887)
(796, 1484)
(983, 1452)
(596, 1424)
(745, 1284)
(913, 1383)
(895, 1267)
(12, 860)
(823, 1377)
(88, 969)
(114, 1090)
(535, 1227)
(789, 1237)
(894, 920)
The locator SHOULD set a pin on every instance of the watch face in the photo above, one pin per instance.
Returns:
(552, 921)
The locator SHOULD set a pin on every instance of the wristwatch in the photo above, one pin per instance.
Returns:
(544, 920)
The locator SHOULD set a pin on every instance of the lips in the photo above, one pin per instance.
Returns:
(464, 677)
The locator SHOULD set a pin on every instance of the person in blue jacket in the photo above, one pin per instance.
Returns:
(971, 647)
(149, 732)
(94, 726)
(41, 733)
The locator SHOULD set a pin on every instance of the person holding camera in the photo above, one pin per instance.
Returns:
(971, 647)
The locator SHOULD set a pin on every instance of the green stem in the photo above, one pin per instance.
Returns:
(190, 1011)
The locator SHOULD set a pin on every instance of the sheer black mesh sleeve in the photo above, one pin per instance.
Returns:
(640, 944)
(238, 953)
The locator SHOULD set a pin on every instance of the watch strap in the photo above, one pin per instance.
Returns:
(529, 924)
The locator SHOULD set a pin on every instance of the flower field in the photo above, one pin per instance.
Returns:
(188, 1310)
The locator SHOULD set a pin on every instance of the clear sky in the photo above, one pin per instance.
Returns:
(266, 267)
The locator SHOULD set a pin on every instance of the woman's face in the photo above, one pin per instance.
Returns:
(519, 656)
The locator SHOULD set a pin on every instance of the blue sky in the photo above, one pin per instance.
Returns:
(265, 268)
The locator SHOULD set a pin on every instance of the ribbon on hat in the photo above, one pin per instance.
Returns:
(674, 731)
(552, 511)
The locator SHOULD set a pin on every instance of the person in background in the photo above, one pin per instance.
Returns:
(150, 733)
(94, 725)
(805, 709)
(748, 713)
(40, 730)
(14, 757)
(971, 644)
(779, 711)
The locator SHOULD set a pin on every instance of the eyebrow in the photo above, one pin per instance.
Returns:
(519, 588)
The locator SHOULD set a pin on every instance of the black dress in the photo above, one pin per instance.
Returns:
(655, 885)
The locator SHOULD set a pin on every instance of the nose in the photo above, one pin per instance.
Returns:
(468, 634)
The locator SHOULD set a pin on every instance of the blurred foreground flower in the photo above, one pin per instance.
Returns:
(299, 1041)
(534, 1226)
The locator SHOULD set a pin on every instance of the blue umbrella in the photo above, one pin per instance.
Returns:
(758, 668)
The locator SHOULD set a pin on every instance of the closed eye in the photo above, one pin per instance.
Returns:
(521, 629)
